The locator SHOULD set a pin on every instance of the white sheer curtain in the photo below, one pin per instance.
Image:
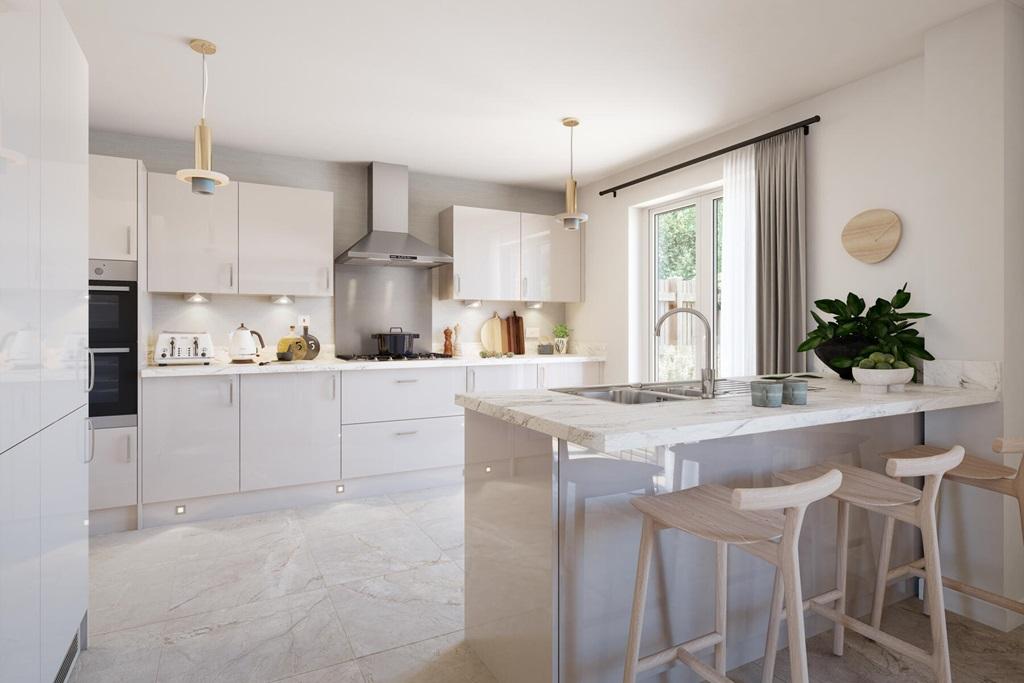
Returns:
(738, 318)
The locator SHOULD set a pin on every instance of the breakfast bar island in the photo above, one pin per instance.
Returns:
(552, 539)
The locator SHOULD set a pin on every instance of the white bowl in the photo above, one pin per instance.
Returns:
(882, 381)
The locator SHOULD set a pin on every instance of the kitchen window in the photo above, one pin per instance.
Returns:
(685, 260)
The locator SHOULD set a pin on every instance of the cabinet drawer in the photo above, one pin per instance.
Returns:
(114, 471)
(404, 394)
(402, 446)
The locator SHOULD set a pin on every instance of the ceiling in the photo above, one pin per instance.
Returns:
(476, 89)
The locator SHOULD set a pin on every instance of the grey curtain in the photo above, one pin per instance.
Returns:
(781, 253)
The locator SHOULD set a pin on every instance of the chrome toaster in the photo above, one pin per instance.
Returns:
(183, 348)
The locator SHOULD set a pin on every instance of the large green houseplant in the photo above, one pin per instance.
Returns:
(854, 333)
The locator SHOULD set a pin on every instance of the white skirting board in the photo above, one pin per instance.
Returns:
(230, 505)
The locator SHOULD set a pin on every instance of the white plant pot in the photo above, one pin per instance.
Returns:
(561, 344)
(882, 381)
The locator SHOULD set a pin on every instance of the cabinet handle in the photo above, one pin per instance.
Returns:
(127, 447)
(525, 289)
(543, 376)
(128, 239)
(91, 363)
(458, 283)
(231, 392)
(334, 387)
(415, 431)
(472, 379)
(327, 279)
(231, 275)
(405, 381)
(91, 446)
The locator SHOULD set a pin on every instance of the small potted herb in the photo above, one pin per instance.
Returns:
(561, 335)
(856, 335)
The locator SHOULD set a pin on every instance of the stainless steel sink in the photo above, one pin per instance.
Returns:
(656, 392)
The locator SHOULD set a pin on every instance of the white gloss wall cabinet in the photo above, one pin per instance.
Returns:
(20, 258)
(501, 377)
(190, 438)
(485, 244)
(403, 394)
(64, 226)
(551, 260)
(378, 448)
(20, 578)
(290, 429)
(113, 208)
(560, 375)
(114, 470)
(192, 239)
(65, 536)
(285, 240)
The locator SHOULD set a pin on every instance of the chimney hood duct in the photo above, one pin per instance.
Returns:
(388, 243)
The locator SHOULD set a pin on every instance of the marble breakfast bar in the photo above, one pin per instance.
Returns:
(551, 539)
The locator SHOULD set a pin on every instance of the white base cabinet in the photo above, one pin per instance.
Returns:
(189, 437)
(403, 394)
(501, 377)
(114, 470)
(401, 446)
(560, 375)
(290, 426)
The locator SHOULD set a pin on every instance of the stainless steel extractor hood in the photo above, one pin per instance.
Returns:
(388, 243)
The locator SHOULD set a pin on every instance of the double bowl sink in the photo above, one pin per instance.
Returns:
(657, 392)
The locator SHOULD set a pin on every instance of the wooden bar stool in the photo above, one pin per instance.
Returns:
(765, 522)
(973, 471)
(897, 502)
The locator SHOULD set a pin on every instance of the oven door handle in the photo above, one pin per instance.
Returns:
(91, 362)
(109, 288)
(112, 349)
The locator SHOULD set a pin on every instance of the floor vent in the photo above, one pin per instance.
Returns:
(69, 660)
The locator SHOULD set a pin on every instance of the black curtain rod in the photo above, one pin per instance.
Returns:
(805, 124)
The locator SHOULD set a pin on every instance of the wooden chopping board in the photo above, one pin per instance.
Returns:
(490, 334)
(505, 336)
(517, 332)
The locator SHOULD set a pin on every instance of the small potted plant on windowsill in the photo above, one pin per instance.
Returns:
(854, 335)
(561, 335)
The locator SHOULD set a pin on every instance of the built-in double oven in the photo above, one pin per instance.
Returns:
(113, 343)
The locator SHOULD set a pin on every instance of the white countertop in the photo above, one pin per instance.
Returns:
(611, 427)
(332, 364)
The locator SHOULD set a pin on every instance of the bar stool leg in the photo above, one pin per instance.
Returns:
(721, 601)
(794, 599)
(636, 620)
(771, 648)
(842, 558)
(881, 579)
(935, 600)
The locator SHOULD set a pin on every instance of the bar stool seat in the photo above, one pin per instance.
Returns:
(860, 487)
(707, 512)
(972, 467)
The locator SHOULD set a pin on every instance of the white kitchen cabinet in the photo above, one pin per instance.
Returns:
(113, 208)
(64, 218)
(483, 378)
(400, 394)
(19, 222)
(485, 244)
(551, 258)
(560, 375)
(64, 536)
(190, 439)
(20, 489)
(402, 446)
(192, 239)
(114, 470)
(285, 240)
(290, 429)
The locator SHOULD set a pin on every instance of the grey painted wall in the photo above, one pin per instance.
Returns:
(428, 195)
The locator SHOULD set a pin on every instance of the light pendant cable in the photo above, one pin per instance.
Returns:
(203, 178)
(572, 219)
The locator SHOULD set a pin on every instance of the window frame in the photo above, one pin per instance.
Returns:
(704, 200)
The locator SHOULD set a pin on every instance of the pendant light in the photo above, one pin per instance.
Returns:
(572, 219)
(203, 178)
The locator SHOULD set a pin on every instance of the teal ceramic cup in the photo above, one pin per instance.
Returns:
(765, 393)
(794, 392)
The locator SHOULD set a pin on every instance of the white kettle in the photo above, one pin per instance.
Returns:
(242, 346)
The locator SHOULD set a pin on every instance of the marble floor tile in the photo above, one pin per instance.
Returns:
(130, 656)
(349, 672)
(324, 521)
(128, 550)
(374, 552)
(447, 533)
(132, 597)
(243, 534)
(446, 659)
(457, 554)
(213, 583)
(261, 641)
(398, 609)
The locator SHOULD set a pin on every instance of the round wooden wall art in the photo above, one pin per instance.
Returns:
(871, 236)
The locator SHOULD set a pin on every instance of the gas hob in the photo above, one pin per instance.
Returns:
(385, 358)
